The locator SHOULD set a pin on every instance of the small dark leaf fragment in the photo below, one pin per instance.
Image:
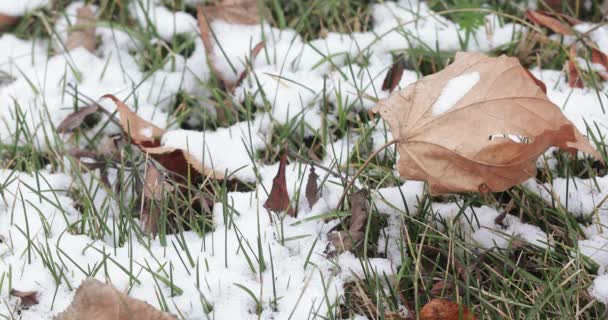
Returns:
(312, 189)
(393, 76)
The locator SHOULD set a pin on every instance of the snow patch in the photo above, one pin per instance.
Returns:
(453, 91)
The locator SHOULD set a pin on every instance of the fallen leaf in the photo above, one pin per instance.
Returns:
(254, 53)
(600, 58)
(441, 287)
(75, 119)
(442, 309)
(83, 31)
(231, 11)
(574, 77)
(141, 132)
(278, 199)
(348, 240)
(546, 20)
(467, 145)
(312, 189)
(7, 21)
(393, 76)
(153, 187)
(28, 298)
(95, 300)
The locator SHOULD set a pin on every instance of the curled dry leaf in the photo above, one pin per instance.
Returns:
(28, 298)
(147, 136)
(484, 138)
(278, 199)
(393, 76)
(95, 300)
(574, 77)
(348, 240)
(442, 309)
(312, 189)
(83, 31)
(75, 119)
(546, 20)
(234, 12)
(598, 57)
(154, 186)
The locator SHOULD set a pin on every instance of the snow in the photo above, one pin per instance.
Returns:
(21, 7)
(453, 91)
(291, 83)
(243, 140)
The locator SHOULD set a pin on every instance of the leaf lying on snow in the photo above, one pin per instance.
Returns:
(231, 11)
(83, 33)
(278, 199)
(28, 298)
(454, 128)
(75, 119)
(95, 300)
(393, 76)
(347, 240)
(312, 189)
(147, 136)
(442, 309)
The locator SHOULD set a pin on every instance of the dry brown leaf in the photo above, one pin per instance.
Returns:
(7, 21)
(574, 77)
(348, 240)
(393, 76)
(154, 185)
(442, 309)
(600, 58)
(75, 119)
(95, 300)
(312, 189)
(465, 148)
(278, 199)
(234, 12)
(147, 136)
(545, 20)
(83, 33)
(28, 298)
(141, 132)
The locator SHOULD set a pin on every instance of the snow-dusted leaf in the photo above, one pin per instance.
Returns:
(95, 300)
(83, 31)
(141, 132)
(464, 129)
(75, 119)
(147, 136)
(312, 189)
(28, 298)
(443, 309)
(278, 199)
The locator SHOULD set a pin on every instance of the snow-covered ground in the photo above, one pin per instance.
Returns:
(39, 253)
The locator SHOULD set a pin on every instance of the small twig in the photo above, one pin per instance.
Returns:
(365, 164)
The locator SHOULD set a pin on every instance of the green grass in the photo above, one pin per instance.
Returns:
(523, 282)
